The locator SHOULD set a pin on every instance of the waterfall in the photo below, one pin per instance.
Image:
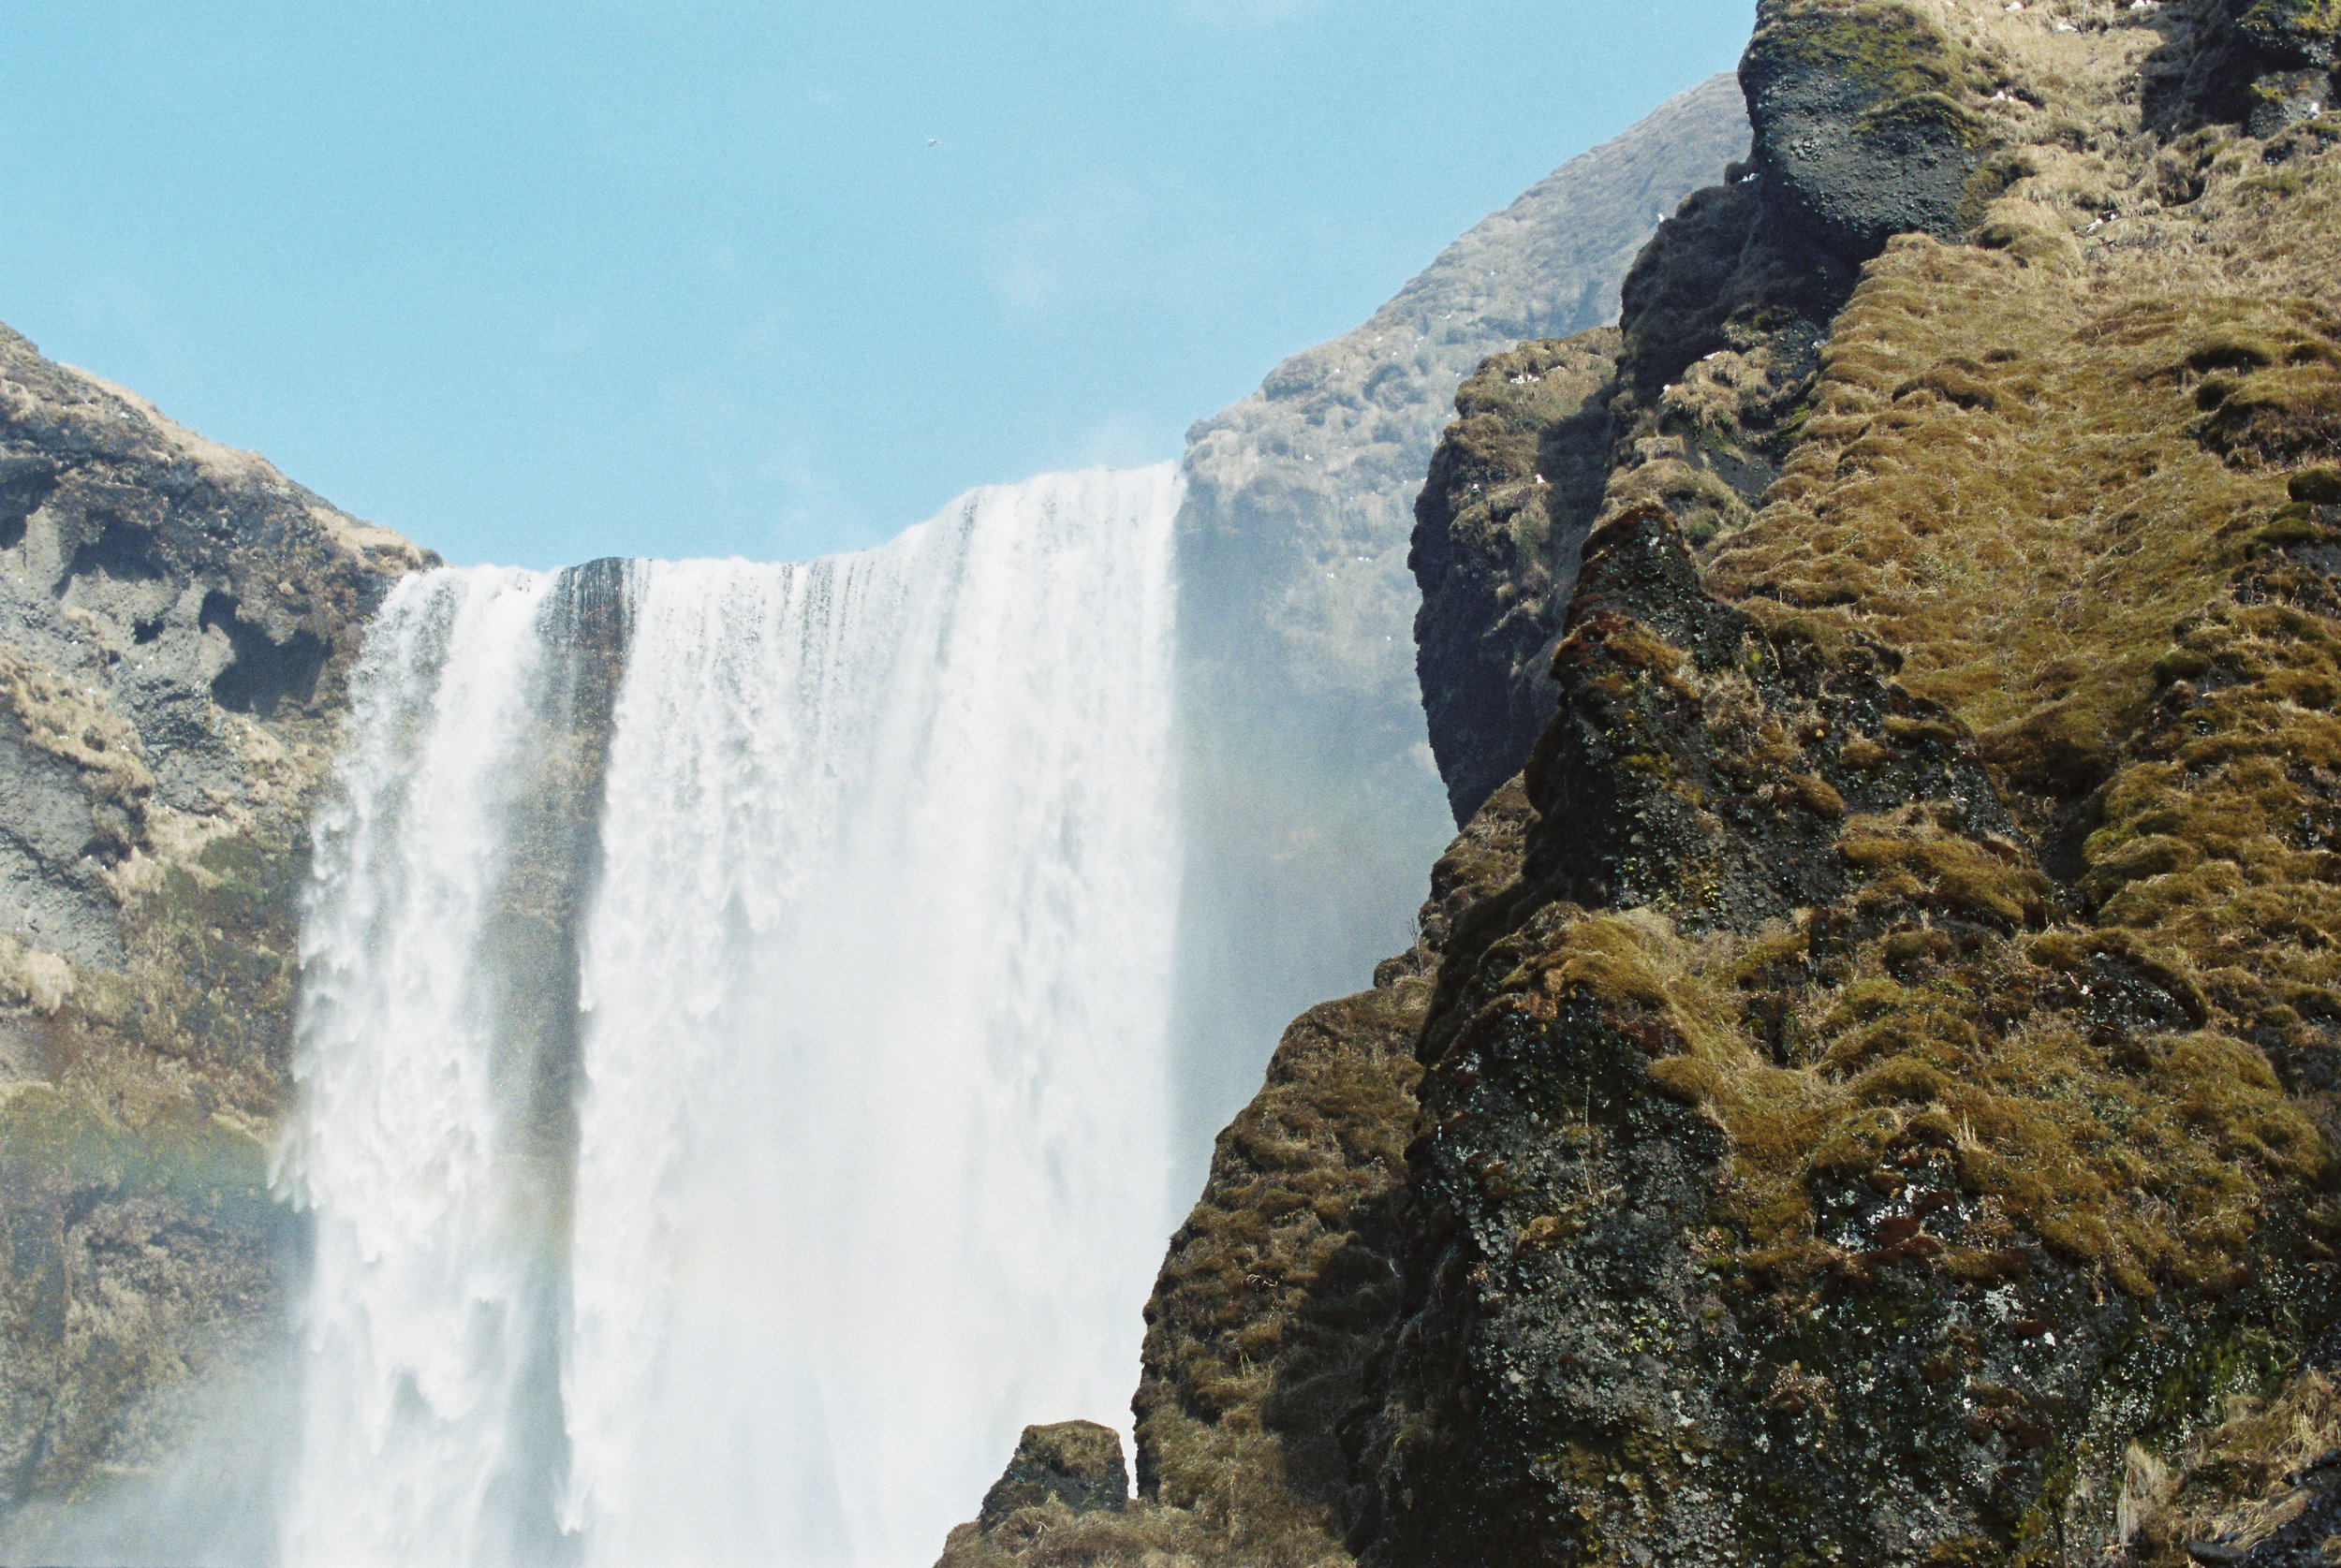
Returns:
(733, 1102)
(425, 1277)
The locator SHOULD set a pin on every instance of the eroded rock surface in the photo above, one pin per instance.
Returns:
(175, 621)
(1075, 1463)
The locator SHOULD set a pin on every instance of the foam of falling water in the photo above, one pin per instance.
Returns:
(424, 1290)
(869, 1155)
(872, 1151)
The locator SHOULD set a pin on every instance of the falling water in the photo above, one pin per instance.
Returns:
(856, 1158)
(427, 1273)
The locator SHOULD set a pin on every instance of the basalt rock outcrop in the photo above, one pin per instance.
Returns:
(1075, 1466)
(1869, 124)
(1878, 1104)
(2262, 64)
(2074, 1203)
(175, 623)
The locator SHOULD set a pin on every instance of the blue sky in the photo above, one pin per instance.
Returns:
(536, 283)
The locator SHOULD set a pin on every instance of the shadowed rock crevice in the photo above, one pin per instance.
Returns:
(120, 550)
(261, 671)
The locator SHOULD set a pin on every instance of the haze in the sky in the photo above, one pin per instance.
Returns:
(535, 282)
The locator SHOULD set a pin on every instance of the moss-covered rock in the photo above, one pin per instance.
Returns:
(1890, 1116)
(1512, 491)
(1281, 1284)
(1863, 128)
(1792, 1165)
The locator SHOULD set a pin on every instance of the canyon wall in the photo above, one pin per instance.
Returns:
(178, 625)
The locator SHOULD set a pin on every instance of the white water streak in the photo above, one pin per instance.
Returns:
(420, 1275)
(876, 983)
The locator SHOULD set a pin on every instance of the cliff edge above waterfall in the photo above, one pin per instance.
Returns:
(176, 619)
(1866, 1089)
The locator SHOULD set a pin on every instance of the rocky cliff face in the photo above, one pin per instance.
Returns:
(1312, 803)
(1873, 1102)
(1865, 126)
(175, 620)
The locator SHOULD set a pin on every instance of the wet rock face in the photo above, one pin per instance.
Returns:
(1076, 1462)
(1284, 1278)
(1861, 128)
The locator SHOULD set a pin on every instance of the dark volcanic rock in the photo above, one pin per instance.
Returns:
(1885, 1113)
(1513, 489)
(1862, 127)
(1282, 1278)
(1701, 761)
(1610, 1343)
(2264, 64)
(1860, 134)
(1076, 1462)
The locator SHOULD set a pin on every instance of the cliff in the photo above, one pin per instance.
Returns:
(1312, 801)
(175, 623)
(1864, 1090)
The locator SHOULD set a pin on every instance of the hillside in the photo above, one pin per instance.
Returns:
(176, 621)
(1307, 779)
(1863, 1092)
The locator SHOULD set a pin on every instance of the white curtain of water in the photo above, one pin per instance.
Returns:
(422, 1286)
(874, 979)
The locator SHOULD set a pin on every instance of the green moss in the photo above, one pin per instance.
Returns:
(1890, 50)
(2319, 487)
(1927, 117)
(2290, 24)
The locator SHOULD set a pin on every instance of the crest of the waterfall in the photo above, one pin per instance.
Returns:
(867, 1166)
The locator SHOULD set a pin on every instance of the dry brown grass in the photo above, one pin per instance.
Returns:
(2239, 1482)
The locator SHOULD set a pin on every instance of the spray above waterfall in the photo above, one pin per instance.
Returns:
(733, 1093)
